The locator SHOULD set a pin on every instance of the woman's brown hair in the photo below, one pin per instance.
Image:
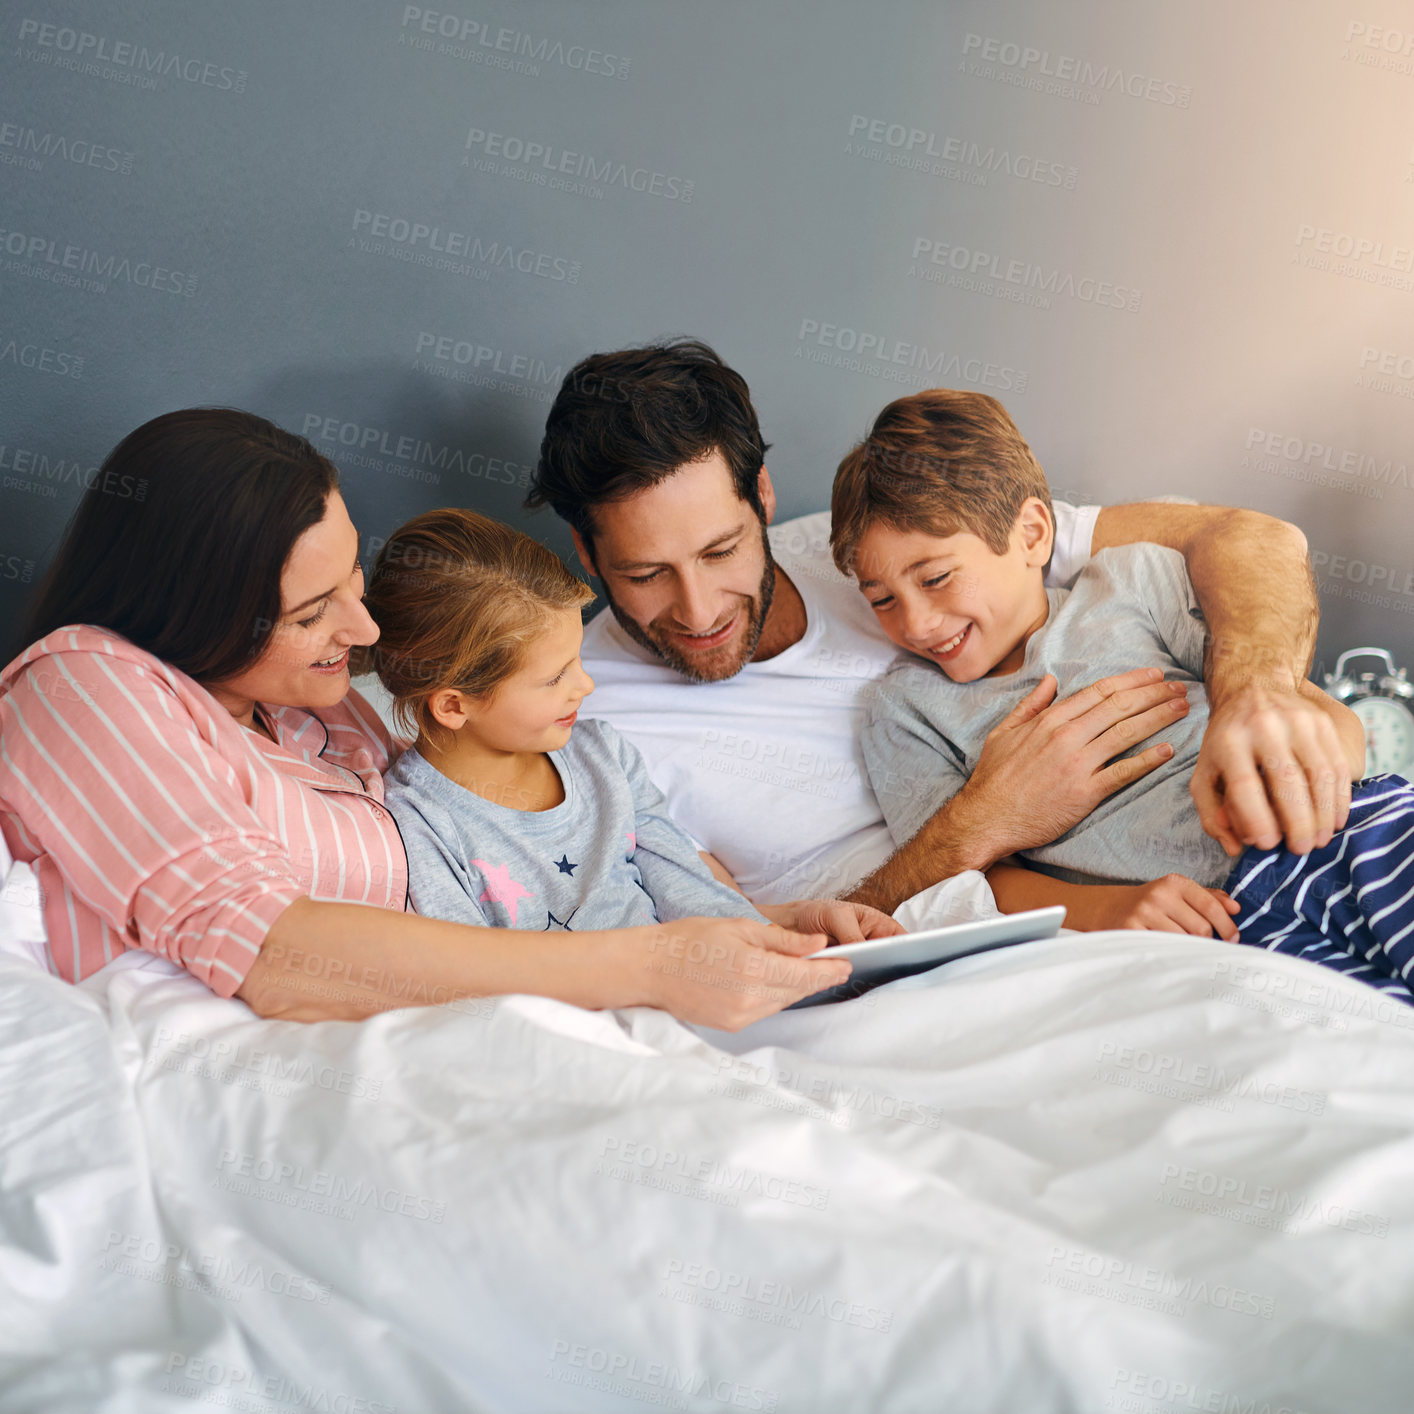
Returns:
(456, 597)
(180, 541)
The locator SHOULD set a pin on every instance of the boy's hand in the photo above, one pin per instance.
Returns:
(1172, 904)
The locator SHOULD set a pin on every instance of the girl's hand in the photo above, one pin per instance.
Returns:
(843, 922)
(1172, 904)
(724, 972)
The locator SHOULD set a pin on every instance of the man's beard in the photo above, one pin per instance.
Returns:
(665, 651)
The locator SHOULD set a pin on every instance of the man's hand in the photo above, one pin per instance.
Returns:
(1048, 764)
(1272, 767)
(842, 922)
(1042, 769)
(1172, 904)
(1269, 767)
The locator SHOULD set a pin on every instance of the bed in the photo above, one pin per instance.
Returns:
(1117, 1171)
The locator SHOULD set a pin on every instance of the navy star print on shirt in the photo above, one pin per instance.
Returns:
(564, 866)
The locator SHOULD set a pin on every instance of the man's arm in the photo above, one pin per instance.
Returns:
(721, 871)
(1252, 577)
(1272, 765)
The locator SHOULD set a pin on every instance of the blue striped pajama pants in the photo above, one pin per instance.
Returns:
(1349, 906)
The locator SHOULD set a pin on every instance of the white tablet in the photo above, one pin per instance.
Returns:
(882, 960)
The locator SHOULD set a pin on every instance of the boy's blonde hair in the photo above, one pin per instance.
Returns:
(457, 596)
(941, 461)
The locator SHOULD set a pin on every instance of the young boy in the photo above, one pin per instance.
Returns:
(944, 517)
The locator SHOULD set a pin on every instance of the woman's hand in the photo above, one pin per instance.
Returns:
(842, 922)
(722, 972)
(1172, 904)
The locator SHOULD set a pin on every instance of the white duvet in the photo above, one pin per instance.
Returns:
(1123, 1172)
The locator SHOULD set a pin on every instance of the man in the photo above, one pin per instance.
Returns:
(736, 660)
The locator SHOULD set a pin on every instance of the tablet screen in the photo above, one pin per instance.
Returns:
(880, 960)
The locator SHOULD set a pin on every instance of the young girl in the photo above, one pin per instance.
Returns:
(510, 815)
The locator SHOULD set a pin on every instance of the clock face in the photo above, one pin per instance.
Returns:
(1389, 735)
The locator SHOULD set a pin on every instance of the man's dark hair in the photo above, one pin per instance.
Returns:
(625, 421)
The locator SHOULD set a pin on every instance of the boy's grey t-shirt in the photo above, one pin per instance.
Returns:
(1132, 606)
(607, 856)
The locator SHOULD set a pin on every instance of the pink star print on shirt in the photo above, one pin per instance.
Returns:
(501, 888)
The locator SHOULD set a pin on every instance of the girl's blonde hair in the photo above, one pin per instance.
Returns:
(457, 596)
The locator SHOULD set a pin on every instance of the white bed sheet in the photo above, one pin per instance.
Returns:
(1104, 1172)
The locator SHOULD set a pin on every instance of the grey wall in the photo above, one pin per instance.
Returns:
(1177, 241)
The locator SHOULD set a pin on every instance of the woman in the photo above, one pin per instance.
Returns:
(186, 768)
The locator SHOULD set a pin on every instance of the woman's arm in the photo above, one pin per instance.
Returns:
(324, 961)
(123, 786)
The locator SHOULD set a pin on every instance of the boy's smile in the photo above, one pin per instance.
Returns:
(952, 599)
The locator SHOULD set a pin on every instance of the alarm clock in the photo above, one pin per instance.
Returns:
(1384, 702)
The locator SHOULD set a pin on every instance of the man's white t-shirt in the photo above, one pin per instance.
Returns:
(764, 769)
